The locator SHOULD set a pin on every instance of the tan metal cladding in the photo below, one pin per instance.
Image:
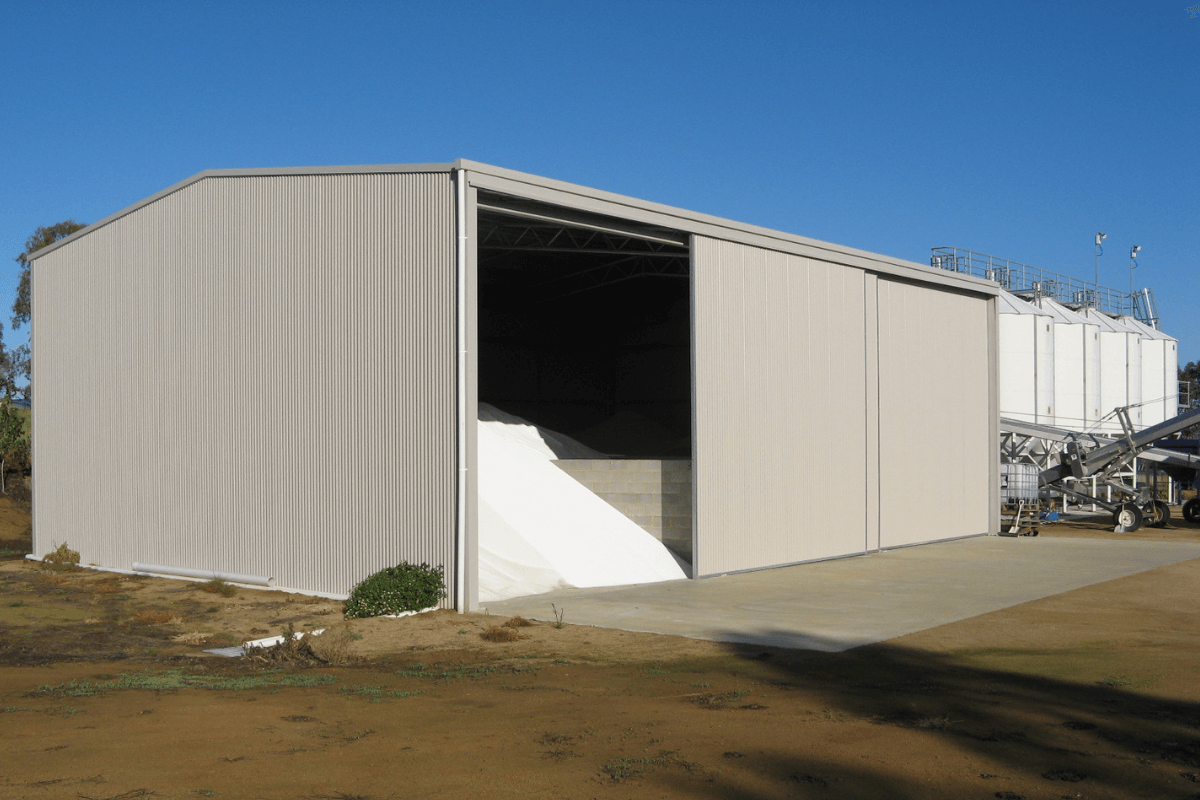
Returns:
(936, 432)
(253, 375)
(836, 411)
(780, 405)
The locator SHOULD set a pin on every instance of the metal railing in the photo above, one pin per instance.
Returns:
(1189, 395)
(1021, 278)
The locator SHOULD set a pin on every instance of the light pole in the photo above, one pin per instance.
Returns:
(1099, 238)
(1133, 251)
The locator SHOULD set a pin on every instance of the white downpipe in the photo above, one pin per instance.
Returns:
(460, 567)
(203, 574)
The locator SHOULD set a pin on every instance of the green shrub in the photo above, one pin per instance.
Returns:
(406, 587)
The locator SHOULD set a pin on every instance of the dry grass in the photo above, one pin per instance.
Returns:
(322, 611)
(195, 637)
(334, 646)
(518, 622)
(289, 651)
(157, 616)
(62, 557)
(499, 634)
(218, 586)
(132, 794)
(331, 646)
(107, 586)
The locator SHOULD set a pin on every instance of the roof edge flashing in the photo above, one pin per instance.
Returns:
(679, 218)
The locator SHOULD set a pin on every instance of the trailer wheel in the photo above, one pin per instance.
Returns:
(1191, 510)
(1127, 518)
(1161, 514)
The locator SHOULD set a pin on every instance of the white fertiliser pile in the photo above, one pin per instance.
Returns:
(540, 529)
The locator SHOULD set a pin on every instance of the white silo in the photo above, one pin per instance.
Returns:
(1133, 357)
(1116, 341)
(1160, 373)
(1026, 356)
(1076, 367)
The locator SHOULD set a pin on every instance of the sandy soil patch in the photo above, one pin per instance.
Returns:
(1092, 693)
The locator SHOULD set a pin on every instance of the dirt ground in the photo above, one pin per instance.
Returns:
(105, 693)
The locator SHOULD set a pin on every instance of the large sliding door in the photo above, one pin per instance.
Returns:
(937, 438)
(780, 449)
(837, 411)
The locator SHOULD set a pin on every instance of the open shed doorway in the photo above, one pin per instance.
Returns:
(584, 331)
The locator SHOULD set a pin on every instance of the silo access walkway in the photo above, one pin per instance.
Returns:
(845, 603)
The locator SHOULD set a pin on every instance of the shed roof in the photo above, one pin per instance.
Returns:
(573, 196)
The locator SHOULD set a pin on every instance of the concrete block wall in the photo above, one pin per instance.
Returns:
(654, 493)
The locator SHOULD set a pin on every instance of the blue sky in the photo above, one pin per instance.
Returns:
(1016, 129)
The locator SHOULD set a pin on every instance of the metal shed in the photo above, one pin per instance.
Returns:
(274, 373)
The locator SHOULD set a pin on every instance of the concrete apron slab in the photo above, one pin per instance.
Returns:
(844, 603)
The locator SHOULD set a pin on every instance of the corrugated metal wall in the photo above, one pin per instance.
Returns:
(936, 433)
(780, 408)
(836, 411)
(253, 375)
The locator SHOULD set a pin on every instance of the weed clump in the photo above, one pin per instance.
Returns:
(157, 616)
(457, 671)
(218, 586)
(405, 587)
(178, 679)
(497, 633)
(623, 769)
(333, 646)
(715, 701)
(518, 622)
(62, 557)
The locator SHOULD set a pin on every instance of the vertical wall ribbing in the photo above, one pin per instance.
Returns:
(780, 404)
(936, 414)
(835, 410)
(256, 375)
(871, 417)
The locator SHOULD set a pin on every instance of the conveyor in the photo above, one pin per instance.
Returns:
(1067, 458)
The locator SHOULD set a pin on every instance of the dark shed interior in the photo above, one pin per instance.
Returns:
(585, 326)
